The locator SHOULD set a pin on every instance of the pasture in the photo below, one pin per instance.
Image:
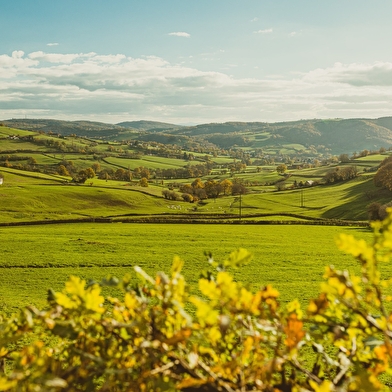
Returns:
(292, 258)
(31, 196)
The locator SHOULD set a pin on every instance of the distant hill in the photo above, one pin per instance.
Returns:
(334, 135)
(152, 126)
(80, 128)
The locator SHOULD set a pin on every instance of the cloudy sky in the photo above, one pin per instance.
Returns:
(191, 62)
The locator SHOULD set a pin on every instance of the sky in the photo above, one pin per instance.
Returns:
(193, 62)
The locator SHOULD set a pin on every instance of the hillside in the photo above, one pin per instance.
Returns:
(337, 135)
(152, 126)
(334, 136)
(90, 129)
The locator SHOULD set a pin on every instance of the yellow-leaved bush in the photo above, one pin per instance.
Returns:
(160, 337)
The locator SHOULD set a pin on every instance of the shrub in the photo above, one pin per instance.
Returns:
(235, 340)
(170, 195)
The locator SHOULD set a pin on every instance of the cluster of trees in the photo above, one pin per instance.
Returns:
(341, 174)
(67, 168)
(199, 190)
(172, 195)
(234, 340)
(143, 172)
(227, 140)
(383, 177)
(211, 189)
(281, 169)
(13, 158)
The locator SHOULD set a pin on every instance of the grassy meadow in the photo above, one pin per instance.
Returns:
(292, 258)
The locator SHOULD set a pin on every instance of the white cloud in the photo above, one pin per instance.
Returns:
(52, 44)
(358, 75)
(254, 20)
(266, 31)
(180, 34)
(293, 34)
(113, 88)
(53, 57)
(17, 54)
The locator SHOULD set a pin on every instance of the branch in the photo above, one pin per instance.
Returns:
(309, 374)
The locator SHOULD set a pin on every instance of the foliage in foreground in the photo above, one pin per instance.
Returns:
(230, 340)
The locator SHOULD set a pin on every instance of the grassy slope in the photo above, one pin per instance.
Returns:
(28, 196)
(33, 196)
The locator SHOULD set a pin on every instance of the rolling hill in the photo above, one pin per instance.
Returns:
(334, 135)
(152, 126)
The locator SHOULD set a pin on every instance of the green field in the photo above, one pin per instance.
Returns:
(292, 258)
(31, 196)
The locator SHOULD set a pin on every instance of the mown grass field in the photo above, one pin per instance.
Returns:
(292, 258)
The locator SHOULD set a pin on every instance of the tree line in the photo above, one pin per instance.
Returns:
(210, 189)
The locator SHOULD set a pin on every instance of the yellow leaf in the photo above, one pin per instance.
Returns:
(209, 289)
(237, 258)
(204, 313)
(6, 385)
(248, 346)
(214, 334)
(93, 300)
(381, 353)
(180, 336)
(294, 331)
(176, 266)
(270, 292)
(318, 305)
(191, 382)
(295, 307)
(75, 285)
(325, 386)
(66, 302)
(347, 243)
(246, 298)
(130, 301)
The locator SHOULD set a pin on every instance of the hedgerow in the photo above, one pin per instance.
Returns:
(160, 337)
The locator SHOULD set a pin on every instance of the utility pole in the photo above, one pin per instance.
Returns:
(240, 206)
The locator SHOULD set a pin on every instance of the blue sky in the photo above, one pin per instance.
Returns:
(195, 61)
